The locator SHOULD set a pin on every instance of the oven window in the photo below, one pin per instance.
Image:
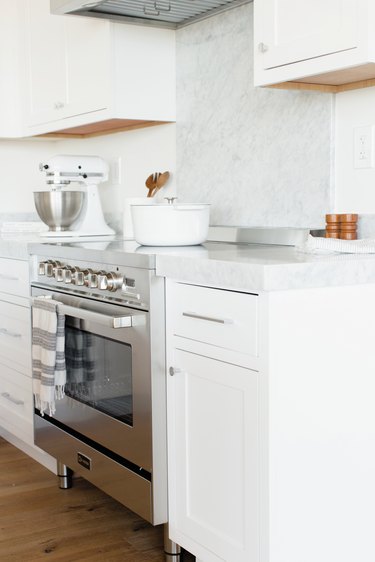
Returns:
(99, 373)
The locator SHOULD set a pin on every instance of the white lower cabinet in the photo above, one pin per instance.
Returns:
(16, 394)
(16, 403)
(212, 429)
(271, 452)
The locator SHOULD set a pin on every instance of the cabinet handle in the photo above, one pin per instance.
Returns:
(58, 105)
(174, 371)
(9, 277)
(208, 318)
(11, 399)
(5, 332)
(262, 47)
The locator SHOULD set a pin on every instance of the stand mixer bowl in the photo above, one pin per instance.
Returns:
(58, 209)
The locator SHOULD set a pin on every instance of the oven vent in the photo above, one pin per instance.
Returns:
(159, 13)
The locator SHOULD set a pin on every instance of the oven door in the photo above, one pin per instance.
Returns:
(108, 389)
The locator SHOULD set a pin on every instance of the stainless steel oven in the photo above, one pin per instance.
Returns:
(110, 427)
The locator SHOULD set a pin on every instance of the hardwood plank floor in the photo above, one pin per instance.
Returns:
(38, 521)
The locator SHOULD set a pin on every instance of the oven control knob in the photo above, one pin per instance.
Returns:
(68, 274)
(92, 280)
(51, 268)
(59, 274)
(110, 282)
(87, 276)
(79, 278)
(42, 266)
(103, 282)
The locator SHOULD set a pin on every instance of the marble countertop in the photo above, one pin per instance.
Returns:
(256, 267)
(243, 267)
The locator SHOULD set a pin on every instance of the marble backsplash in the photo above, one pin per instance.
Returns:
(259, 156)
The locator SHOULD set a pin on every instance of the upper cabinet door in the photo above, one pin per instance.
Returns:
(68, 64)
(289, 31)
(87, 54)
(46, 63)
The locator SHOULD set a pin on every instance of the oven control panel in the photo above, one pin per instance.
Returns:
(122, 283)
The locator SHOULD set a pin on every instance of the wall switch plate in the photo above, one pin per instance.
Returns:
(364, 147)
(115, 171)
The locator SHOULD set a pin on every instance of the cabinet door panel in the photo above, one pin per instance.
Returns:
(46, 62)
(213, 456)
(69, 66)
(88, 65)
(16, 404)
(15, 336)
(296, 30)
(14, 277)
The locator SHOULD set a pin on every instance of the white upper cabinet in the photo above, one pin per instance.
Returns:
(68, 65)
(11, 71)
(306, 29)
(327, 42)
(66, 75)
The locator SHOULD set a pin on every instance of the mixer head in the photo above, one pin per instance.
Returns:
(63, 169)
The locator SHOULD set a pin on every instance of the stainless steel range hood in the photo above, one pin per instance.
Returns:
(160, 13)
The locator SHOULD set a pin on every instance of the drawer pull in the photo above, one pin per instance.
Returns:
(5, 332)
(174, 371)
(208, 318)
(9, 277)
(11, 399)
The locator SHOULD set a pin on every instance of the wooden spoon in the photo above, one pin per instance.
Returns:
(151, 183)
(161, 180)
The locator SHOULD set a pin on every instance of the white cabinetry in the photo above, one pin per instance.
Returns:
(322, 42)
(213, 422)
(16, 395)
(87, 76)
(271, 452)
(11, 71)
(68, 64)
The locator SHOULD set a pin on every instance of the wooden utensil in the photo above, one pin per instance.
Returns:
(161, 180)
(151, 183)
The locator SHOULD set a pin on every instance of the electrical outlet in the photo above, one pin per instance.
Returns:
(364, 147)
(115, 170)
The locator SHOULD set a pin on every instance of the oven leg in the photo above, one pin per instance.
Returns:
(64, 475)
(172, 550)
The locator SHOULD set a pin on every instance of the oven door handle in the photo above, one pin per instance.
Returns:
(123, 321)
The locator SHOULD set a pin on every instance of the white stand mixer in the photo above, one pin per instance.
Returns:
(61, 171)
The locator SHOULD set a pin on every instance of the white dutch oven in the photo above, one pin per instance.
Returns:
(170, 225)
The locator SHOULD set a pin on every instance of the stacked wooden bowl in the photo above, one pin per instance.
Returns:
(343, 226)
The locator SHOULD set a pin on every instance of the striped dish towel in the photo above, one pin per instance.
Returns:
(48, 342)
(317, 245)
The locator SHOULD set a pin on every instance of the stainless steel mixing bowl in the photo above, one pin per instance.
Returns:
(58, 209)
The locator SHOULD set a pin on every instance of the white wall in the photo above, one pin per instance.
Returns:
(355, 188)
(142, 152)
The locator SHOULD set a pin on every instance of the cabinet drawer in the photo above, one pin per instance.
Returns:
(225, 319)
(15, 336)
(14, 277)
(16, 403)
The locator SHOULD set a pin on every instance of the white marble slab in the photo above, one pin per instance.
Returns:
(260, 156)
(255, 268)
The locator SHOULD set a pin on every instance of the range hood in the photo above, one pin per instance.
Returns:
(159, 13)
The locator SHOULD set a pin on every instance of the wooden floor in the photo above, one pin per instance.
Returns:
(38, 521)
